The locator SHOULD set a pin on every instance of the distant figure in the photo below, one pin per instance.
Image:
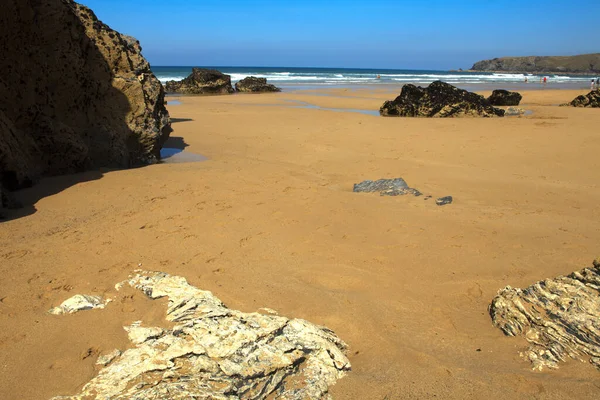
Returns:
(545, 80)
(378, 76)
(525, 79)
(593, 83)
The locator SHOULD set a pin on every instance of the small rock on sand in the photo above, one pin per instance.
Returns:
(442, 201)
(77, 303)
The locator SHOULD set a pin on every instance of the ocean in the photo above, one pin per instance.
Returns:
(319, 77)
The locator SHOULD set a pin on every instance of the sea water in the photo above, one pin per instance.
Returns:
(327, 77)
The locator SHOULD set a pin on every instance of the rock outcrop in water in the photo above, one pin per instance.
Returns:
(504, 98)
(438, 100)
(559, 317)
(213, 352)
(583, 63)
(202, 81)
(591, 100)
(252, 84)
(74, 94)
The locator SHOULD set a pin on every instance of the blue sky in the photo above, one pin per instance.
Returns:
(359, 34)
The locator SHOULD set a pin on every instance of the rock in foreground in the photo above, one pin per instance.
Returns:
(504, 98)
(74, 94)
(439, 100)
(252, 84)
(591, 100)
(202, 81)
(560, 317)
(386, 187)
(213, 352)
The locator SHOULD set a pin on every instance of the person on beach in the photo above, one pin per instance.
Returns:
(545, 80)
(593, 83)
(525, 79)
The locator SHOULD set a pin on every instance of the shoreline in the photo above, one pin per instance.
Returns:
(270, 220)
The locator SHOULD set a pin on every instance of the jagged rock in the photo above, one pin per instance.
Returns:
(202, 81)
(386, 187)
(139, 334)
(77, 303)
(560, 317)
(504, 98)
(105, 359)
(442, 201)
(252, 84)
(74, 94)
(213, 352)
(514, 111)
(438, 100)
(591, 100)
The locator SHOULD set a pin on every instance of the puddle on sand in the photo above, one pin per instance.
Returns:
(303, 104)
(173, 102)
(171, 155)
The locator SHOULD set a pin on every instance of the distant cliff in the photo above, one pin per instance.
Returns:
(583, 63)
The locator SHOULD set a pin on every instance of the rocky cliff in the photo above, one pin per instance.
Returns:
(584, 63)
(74, 94)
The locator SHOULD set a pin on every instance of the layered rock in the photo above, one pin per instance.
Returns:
(559, 317)
(583, 63)
(202, 81)
(74, 94)
(439, 100)
(252, 84)
(213, 352)
(591, 100)
(502, 97)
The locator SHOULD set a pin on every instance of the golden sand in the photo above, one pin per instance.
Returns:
(270, 220)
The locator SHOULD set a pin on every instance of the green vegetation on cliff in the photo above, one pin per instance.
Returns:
(583, 63)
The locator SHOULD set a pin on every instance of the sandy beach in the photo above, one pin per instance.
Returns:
(270, 220)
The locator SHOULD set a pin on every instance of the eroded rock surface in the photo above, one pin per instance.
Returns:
(560, 317)
(202, 81)
(78, 302)
(502, 97)
(74, 94)
(252, 84)
(213, 352)
(438, 100)
(591, 100)
(386, 187)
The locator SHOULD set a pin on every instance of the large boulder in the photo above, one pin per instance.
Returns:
(74, 94)
(253, 84)
(591, 100)
(439, 100)
(202, 81)
(504, 98)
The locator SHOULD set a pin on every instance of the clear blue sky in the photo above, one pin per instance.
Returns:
(360, 34)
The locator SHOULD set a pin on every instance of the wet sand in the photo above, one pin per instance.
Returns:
(270, 220)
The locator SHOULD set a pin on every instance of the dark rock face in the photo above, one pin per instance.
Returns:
(583, 63)
(386, 187)
(504, 98)
(559, 317)
(74, 94)
(252, 84)
(439, 100)
(591, 100)
(202, 81)
(442, 201)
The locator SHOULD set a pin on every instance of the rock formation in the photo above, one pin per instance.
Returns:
(559, 317)
(213, 352)
(202, 81)
(252, 84)
(77, 303)
(386, 187)
(591, 100)
(584, 63)
(74, 94)
(504, 98)
(442, 201)
(438, 100)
